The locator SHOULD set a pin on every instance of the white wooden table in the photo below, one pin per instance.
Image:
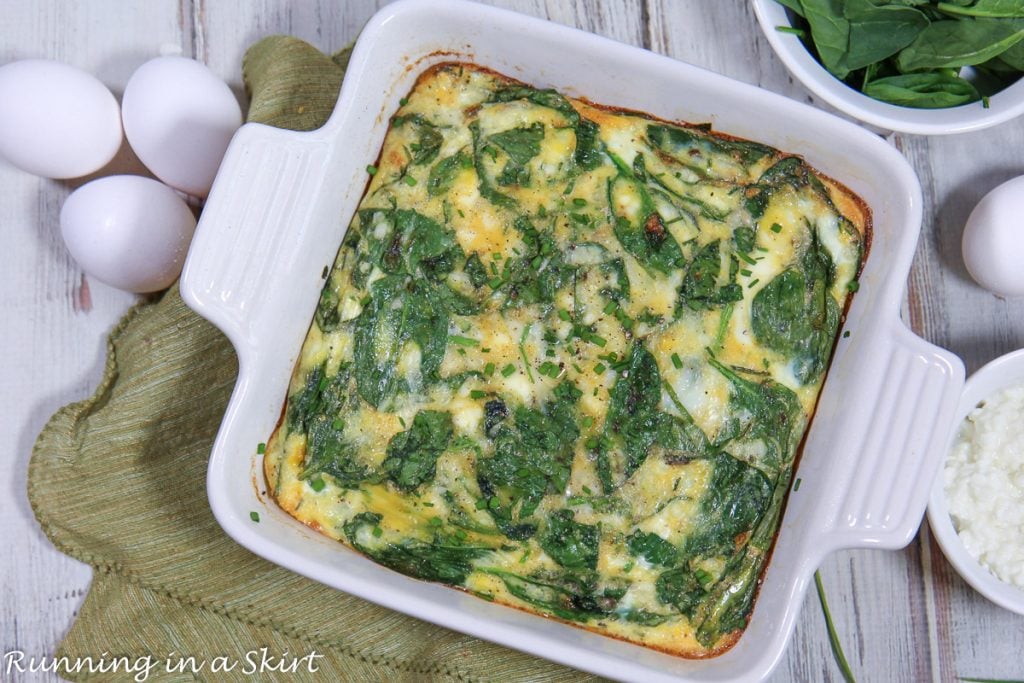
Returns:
(902, 615)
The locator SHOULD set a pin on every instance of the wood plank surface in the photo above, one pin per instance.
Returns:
(903, 616)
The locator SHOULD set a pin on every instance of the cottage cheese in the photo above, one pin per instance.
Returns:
(984, 480)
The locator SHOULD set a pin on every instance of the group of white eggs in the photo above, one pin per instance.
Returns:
(129, 231)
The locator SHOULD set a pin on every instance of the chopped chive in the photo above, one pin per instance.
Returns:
(489, 369)
(494, 282)
(496, 256)
(776, 227)
(435, 521)
(401, 421)
(481, 503)
(833, 637)
(261, 448)
(579, 201)
(409, 180)
(610, 307)
(600, 368)
(748, 259)
(846, 334)
(461, 534)
(476, 393)
(493, 503)
(677, 362)
(564, 314)
(985, 102)
(747, 272)
(484, 349)
(577, 368)
(522, 560)
(592, 443)
(377, 532)
(508, 370)
(597, 339)
(796, 484)
(254, 516)
(752, 283)
(317, 484)
(522, 351)
(542, 212)
(628, 567)
(371, 169)
(587, 422)
(789, 29)
(324, 273)
(853, 286)
(404, 101)
(463, 341)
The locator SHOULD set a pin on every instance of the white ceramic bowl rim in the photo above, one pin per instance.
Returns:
(1002, 373)
(1003, 106)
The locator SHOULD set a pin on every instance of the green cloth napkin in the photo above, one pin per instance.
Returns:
(119, 481)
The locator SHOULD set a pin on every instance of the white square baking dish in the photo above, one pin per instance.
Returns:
(278, 212)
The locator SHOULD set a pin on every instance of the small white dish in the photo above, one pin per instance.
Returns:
(1002, 373)
(1003, 106)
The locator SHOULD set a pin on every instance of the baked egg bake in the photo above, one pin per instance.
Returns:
(566, 356)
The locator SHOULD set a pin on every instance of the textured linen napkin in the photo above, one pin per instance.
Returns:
(119, 481)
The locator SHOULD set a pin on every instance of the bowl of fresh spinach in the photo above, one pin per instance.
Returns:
(917, 66)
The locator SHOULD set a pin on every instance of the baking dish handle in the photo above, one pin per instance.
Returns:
(263, 199)
(885, 499)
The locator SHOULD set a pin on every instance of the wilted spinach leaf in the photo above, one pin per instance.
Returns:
(734, 501)
(532, 457)
(443, 173)
(428, 138)
(638, 226)
(700, 286)
(653, 548)
(444, 559)
(412, 454)
(796, 315)
(570, 543)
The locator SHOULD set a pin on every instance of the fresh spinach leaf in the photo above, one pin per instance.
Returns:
(412, 454)
(877, 32)
(952, 44)
(984, 8)
(927, 90)
(830, 31)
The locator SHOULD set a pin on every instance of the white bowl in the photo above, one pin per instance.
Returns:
(279, 209)
(1003, 106)
(1002, 373)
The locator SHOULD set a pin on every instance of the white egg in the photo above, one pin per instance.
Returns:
(178, 118)
(993, 241)
(128, 231)
(56, 121)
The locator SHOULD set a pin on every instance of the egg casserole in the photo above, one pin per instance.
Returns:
(566, 356)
